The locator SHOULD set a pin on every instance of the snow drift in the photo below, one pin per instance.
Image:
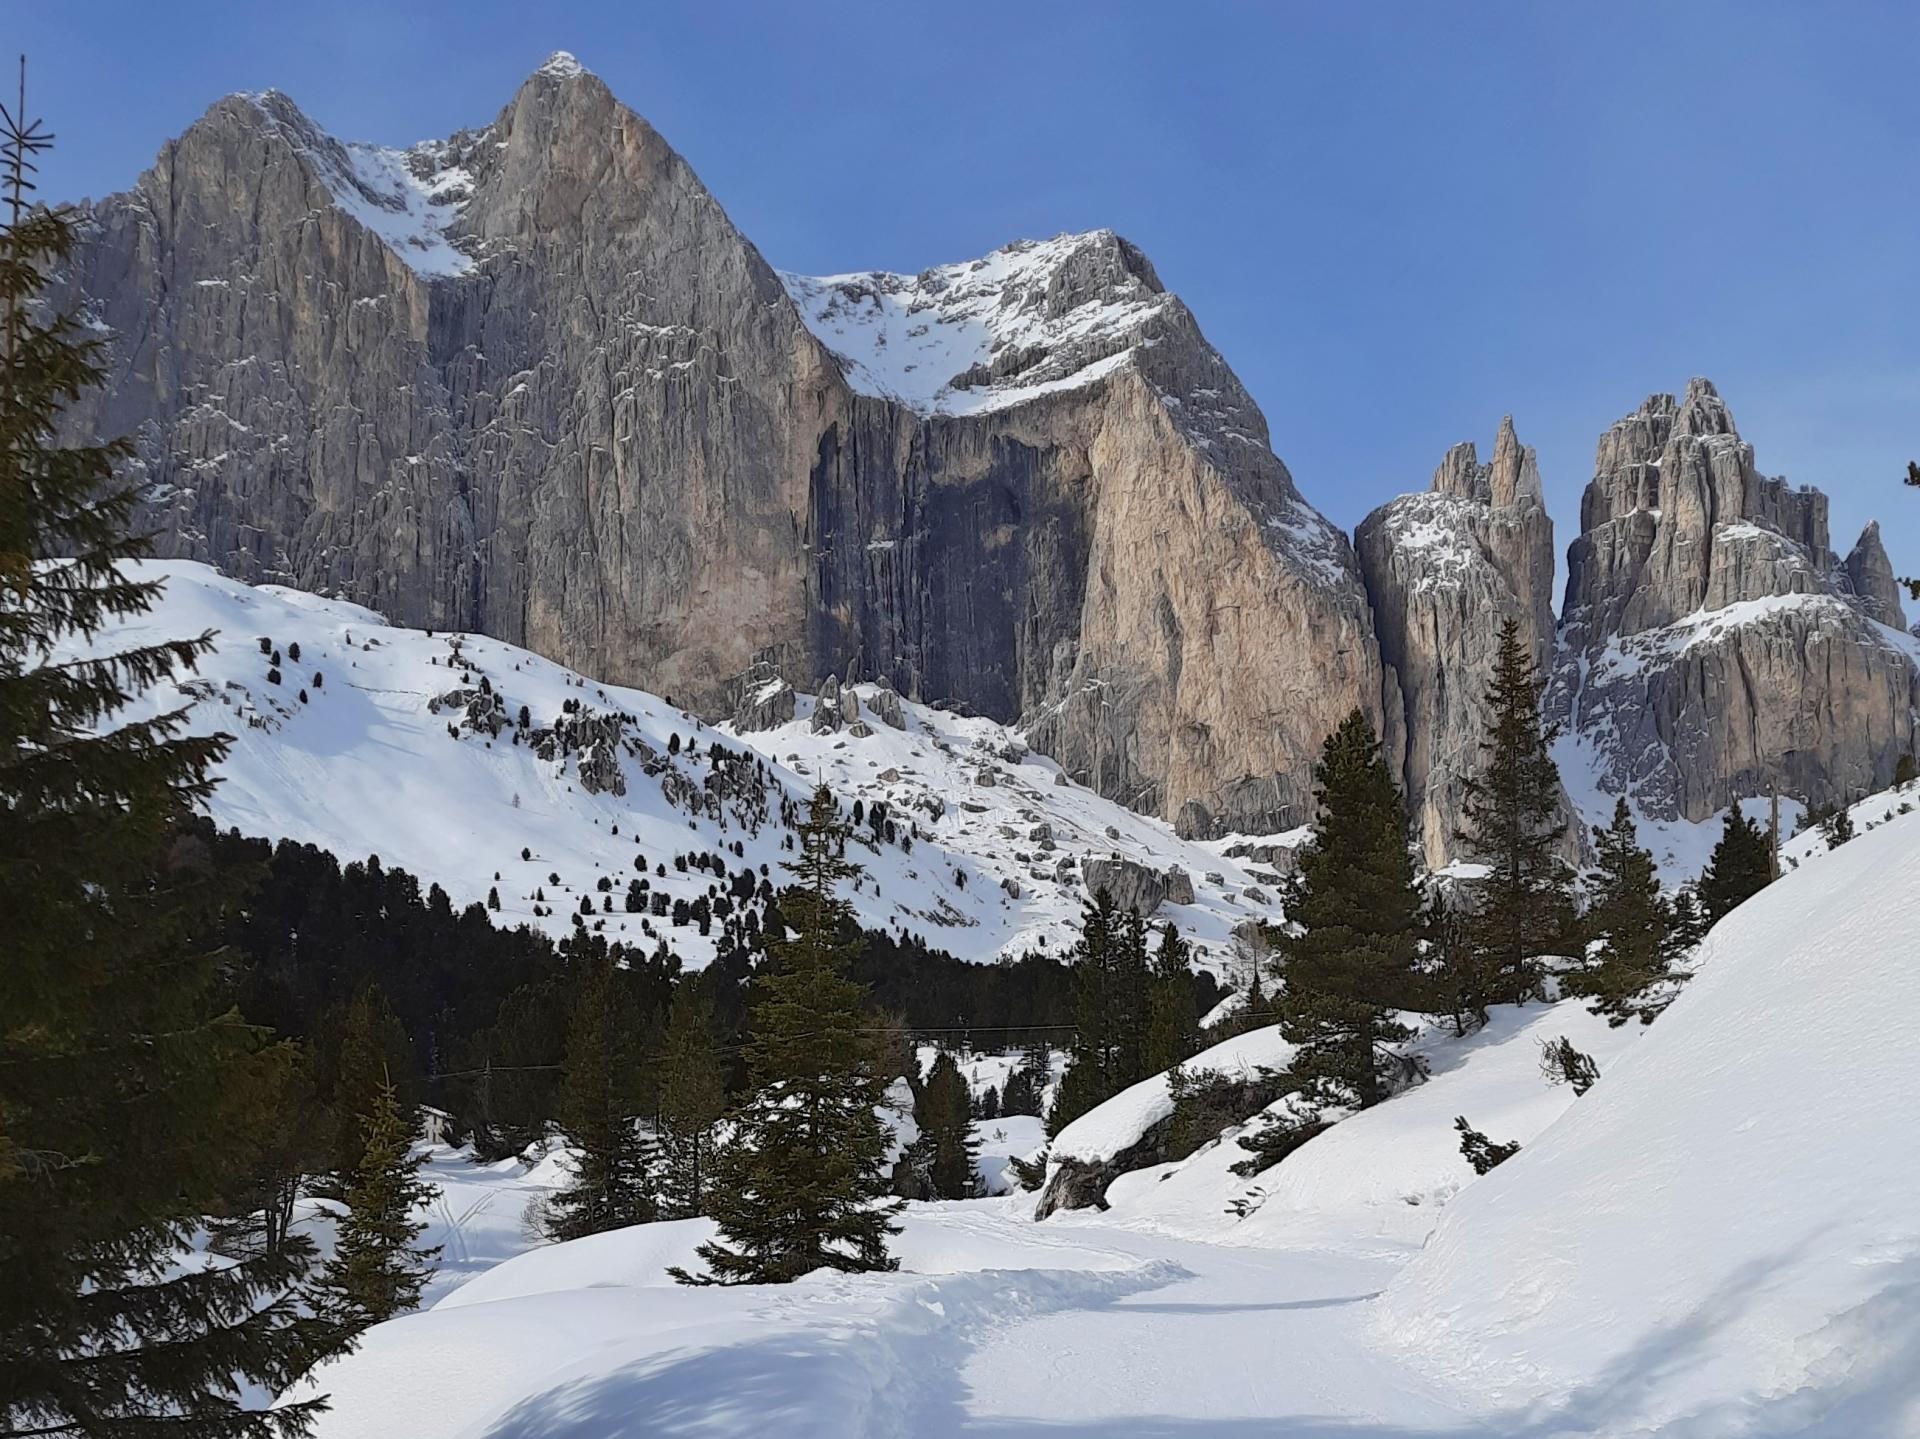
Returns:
(1723, 1236)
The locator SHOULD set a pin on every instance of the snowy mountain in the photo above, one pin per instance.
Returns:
(530, 381)
(1717, 1240)
(967, 338)
(410, 745)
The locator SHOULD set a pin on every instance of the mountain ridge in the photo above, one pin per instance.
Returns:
(532, 381)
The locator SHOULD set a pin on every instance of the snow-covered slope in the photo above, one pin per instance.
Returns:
(974, 787)
(603, 778)
(1722, 1236)
(1718, 1241)
(1386, 1173)
(408, 197)
(983, 334)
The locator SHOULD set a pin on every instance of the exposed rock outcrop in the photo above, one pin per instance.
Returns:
(1136, 886)
(1712, 643)
(1445, 569)
(762, 699)
(531, 381)
(1870, 578)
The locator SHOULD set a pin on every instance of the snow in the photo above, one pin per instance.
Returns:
(1717, 1241)
(407, 198)
(409, 214)
(590, 1339)
(1721, 1236)
(1869, 813)
(1108, 1128)
(366, 767)
(932, 771)
(916, 338)
(1011, 1136)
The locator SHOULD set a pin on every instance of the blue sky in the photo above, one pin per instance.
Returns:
(1397, 221)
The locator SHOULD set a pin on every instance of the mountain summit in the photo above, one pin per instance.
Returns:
(530, 380)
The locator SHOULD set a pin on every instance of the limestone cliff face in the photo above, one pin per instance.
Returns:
(1445, 569)
(532, 381)
(529, 381)
(1711, 642)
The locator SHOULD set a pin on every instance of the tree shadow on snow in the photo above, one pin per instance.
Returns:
(812, 1383)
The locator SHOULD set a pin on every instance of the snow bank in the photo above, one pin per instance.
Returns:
(1722, 1236)
(1107, 1129)
(1011, 1136)
(1381, 1176)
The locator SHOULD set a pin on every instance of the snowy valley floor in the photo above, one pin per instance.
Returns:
(1002, 1328)
(1720, 1239)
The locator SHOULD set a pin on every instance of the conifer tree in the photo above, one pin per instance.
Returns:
(1350, 950)
(693, 1096)
(378, 1267)
(1108, 1051)
(803, 1183)
(944, 1113)
(610, 1185)
(1481, 1152)
(1738, 868)
(1172, 1027)
(117, 1064)
(367, 1047)
(1689, 924)
(1837, 828)
(1627, 924)
(1523, 907)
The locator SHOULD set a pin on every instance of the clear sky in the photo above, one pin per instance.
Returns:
(1398, 221)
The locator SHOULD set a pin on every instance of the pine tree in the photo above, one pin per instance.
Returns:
(1737, 869)
(693, 1096)
(1523, 907)
(365, 1046)
(378, 1267)
(1350, 951)
(1627, 924)
(944, 1113)
(1108, 1051)
(1689, 925)
(1481, 1152)
(610, 1185)
(803, 1184)
(118, 1067)
(1837, 828)
(1172, 1027)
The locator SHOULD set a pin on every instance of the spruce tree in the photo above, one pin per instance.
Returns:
(1350, 949)
(366, 1047)
(1523, 906)
(610, 1185)
(1172, 1027)
(1627, 924)
(378, 1267)
(1108, 1051)
(1738, 868)
(1689, 924)
(944, 1112)
(127, 1094)
(803, 1184)
(693, 1096)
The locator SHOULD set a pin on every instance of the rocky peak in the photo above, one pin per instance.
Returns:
(1443, 571)
(531, 381)
(1713, 645)
(1870, 576)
